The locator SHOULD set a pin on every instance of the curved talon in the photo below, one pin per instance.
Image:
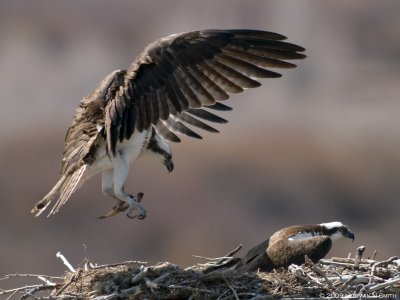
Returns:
(139, 197)
(120, 207)
(123, 206)
(142, 212)
(140, 216)
(131, 217)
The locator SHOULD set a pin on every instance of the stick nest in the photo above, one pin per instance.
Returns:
(329, 278)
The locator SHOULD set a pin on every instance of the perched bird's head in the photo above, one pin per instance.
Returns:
(337, 230)
(159, 149)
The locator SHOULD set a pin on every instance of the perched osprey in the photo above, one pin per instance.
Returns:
(138, 111)
(289, 246)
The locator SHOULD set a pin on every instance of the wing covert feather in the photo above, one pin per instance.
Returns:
(187, 72)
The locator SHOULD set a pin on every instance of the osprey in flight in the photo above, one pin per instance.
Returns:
(289, 246)
(175, 81)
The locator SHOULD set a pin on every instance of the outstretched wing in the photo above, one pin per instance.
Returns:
(174, 78)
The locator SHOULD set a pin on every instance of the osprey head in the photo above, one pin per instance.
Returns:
(158, 148)
(337, 230)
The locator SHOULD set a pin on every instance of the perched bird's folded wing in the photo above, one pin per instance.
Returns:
(286, 252)
(255, 259)
(175, 78)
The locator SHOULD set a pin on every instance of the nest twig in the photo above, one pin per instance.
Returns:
(331, 278)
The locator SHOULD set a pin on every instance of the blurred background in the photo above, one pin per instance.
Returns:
(320, 144)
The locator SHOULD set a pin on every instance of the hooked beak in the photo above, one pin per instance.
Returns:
(169, 165)
(349, 235)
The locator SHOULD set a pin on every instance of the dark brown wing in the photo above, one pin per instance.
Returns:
(286, 252)
(282, 253)
(256, 259)
(88, 123)
(174, 78)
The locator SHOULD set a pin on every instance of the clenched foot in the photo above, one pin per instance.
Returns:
(135, 204)
(122, 206)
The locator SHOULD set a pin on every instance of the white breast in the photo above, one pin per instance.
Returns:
(129, 150)
(132, 148)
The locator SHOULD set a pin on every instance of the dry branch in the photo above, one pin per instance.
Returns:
(336, 277)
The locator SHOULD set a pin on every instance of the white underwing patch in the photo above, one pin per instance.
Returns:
(303, 235)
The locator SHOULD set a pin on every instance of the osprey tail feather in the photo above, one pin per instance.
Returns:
(63, 188)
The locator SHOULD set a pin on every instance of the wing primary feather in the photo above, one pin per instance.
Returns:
(277, 54)
(178, 92)
(166, 133)
(122, 127)
(195, 122)
(271, 53)
(226, 84)
(258, 60)
(162, 104)
(139, 115)
(112, 134)
(214, 89)
(258, 34)
(201, 92)
(151, 97)
(122, 106)
(177, 98)
(146, 112)
(190, 95)
(177, 126)
(185, 62)
(206, 115)
(172, 99)
(220, 106)
(233, 75)
(245, 67)
(244, 33)
(130, 121)
(266, 44)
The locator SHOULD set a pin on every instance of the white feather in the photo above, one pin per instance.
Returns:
(337, 236)
(332, 225)
(303, 235)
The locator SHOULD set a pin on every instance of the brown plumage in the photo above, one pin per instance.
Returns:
(290, 245)
(175, 81)
(180, 74)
